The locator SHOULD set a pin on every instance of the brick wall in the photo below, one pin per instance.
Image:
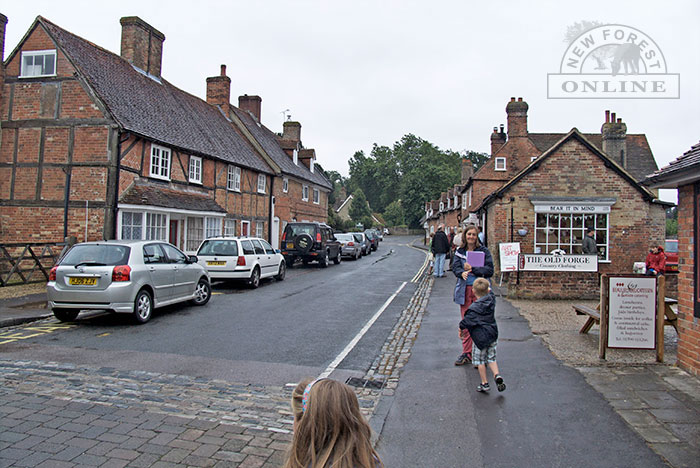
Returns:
(290, 205)
(688, 325)
(551, 285)
(574, 171)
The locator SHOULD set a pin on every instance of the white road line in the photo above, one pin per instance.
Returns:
(423, 267)
(343, 354)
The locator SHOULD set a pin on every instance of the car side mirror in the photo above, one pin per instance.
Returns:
(192, 259)
(278, 251)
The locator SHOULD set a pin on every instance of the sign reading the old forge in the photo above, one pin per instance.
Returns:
(536, 262)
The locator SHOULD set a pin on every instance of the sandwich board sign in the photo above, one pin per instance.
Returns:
(508, 254)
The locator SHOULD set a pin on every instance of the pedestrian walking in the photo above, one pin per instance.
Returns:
(589, 247)
(329, 429)
(466, 274)
(480, 320)
(440, 247)
(431, 256)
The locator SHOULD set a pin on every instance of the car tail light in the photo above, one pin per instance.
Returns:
(284, 235)
(351, 244)
(52, 273)
(121, 273)
(241, 261)
(318, 237)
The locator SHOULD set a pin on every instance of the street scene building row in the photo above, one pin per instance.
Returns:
(98, 145)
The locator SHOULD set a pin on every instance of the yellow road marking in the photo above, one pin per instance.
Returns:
(32, 332)
(103, 334)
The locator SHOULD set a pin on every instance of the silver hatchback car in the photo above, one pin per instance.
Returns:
(125, 277)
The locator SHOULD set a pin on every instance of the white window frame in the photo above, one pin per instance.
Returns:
(532, 158)
(194, 234)
(470, 195)
(245, 228)
(499, 159)
(262, 183)
(212, 227)
(160, 163)
(449, 203)
(129, 228)
(305, 193)
(550, 231)
(233, 178)
(195, 170)
(285, 185)
(295, 156)
(317, 196)
(36, 53)
(442, 206)
(230, 227)
(259, 226)
(456, 201)
(312, 163)
(156, 226)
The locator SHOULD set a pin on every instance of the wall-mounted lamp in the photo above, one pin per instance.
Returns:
(522, 232)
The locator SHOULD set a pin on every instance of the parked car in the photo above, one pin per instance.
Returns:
(373, 238)
(310, 241)
(364, 242)
(671, 249)
(241, 258)
(125, 277)
(379, 233)
(349, 247)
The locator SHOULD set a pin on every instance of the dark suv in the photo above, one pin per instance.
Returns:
(311, 242)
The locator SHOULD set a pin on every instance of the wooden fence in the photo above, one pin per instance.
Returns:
(28, 262)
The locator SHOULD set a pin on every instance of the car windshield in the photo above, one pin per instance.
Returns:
(345, 237)
(220, 247)
(97, 254)
(297, 229)
(671, 246)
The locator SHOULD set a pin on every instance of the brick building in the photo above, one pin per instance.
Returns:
(544, 189)
(99, 145)
(684, 174)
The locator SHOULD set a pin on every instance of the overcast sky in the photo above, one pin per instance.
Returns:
(360, 72)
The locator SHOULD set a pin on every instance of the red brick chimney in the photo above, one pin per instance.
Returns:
(517, 117)
(467, 170)
(498, 139)
(614, 133)
(219, 91)
(291, 131)
(252, 104)
(142, 45)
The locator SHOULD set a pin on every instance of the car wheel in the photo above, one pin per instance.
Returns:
(357, 255)
(143, 306)
(202, 292)
(254, 280)
(324, 261)
(282, 271)
(66, 315)
(338, 258)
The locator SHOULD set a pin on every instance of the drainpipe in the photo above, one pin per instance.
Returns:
(66, 196)
(122, 138)
(271, 209)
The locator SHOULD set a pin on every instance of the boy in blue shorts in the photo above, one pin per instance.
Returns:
(480, 320)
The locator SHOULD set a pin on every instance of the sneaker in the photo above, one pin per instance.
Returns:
(463, 359)
(483, 388)
(500, 385)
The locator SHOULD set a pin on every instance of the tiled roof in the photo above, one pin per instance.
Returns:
(640, 160)
(157, 111)
(152, 195)
(686, 166)
(271, 144)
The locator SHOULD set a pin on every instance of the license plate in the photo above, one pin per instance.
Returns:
(290, 245)
(82, 281)
(216, 263)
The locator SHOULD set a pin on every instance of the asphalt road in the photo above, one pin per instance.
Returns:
(276, 334)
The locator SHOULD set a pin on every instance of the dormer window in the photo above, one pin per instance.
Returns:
(456, 202)
(448, 203)
(295, 157)
(464, 200)
(442, 206)
(38, 63)
(312, 163)
(500, 164)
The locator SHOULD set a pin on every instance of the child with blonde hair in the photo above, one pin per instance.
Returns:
(480, 320)
(329, 429)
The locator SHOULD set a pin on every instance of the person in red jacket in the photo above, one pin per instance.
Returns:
(656, 261)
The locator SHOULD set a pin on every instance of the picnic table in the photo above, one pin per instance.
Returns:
(670, 317)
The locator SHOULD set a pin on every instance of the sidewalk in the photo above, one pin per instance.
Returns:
(551, 414)
(23, 309)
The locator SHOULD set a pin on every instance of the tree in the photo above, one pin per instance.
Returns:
(394, 215)
(359, 209)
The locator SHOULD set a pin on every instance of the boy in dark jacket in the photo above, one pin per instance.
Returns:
(480, 320)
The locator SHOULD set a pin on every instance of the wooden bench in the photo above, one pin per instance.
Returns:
(593, 317)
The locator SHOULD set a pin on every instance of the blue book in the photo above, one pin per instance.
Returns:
(475, 259)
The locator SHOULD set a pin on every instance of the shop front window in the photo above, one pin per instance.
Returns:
(555, 231)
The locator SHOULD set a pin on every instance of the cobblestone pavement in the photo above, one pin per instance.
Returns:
(62, 415)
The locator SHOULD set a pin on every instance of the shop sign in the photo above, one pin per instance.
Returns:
(571, 208)
(542, 262)
(632, 313)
